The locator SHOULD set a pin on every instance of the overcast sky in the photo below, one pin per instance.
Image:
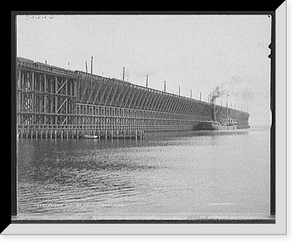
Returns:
(198, 52)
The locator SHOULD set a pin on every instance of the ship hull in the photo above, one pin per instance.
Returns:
(213, 126)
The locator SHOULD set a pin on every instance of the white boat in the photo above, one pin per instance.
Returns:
(90, 136)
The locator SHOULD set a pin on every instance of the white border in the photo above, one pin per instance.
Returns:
(281, 216)
(281, 118)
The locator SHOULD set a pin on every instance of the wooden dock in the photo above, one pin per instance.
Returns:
(54, 102)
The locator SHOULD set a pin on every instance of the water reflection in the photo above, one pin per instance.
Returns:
(64, 172)
(170, 173)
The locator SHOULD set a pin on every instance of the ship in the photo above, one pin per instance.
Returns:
(218, 124)
(224, 124)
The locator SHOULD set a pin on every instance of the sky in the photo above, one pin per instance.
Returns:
(195, 52)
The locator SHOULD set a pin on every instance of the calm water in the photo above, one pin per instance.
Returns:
(173, 175)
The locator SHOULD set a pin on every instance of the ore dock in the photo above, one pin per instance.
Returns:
(54, 102)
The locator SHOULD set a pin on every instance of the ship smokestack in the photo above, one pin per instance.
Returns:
(215, 95)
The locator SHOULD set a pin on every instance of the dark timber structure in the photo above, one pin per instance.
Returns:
(55, 102)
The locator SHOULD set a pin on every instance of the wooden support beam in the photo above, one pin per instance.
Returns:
(153, 101)
(145, 104)
(123, 96)
(93, 87)
(143, 99)
(63, 84)
(61, 105)
(152, 95)
(182, 106)
(98, 91)
(188, 107)
(127, 98)
(82, 93)
(179, 106)
(169, 105)
(104, 89)
(139, 100)
(119, 95)
(176, 106)
(138, 96)
(133, 98)
(108, 98)
(166, 102)
(113, 100)
(55, 99)
(191, 108)
(158, 102)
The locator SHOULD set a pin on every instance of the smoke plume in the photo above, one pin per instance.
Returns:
(215, 94)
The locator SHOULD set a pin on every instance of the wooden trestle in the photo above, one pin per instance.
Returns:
(54, 102)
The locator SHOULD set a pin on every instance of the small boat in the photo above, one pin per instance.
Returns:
(90, 136)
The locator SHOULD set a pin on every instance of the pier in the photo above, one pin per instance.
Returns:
(54, 102)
